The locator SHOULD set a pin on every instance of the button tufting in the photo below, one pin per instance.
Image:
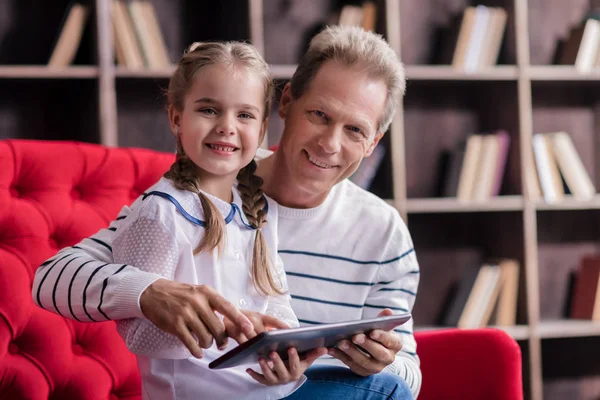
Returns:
(76, 193)
(113, 397)
(14, 192)
(134, 194)
(13, 348)
(77, 349)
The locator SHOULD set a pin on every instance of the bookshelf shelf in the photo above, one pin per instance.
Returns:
(570, 203)
(560, 73)
(552, 329)
(43, 72)
(449, 205)
(165, 73)
(517, 332)
(448, 73)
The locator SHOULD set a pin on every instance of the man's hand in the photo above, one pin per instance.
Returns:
(381, 347)
(260, 323)
(189, 310)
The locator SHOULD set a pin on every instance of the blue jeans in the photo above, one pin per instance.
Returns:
(339, 383)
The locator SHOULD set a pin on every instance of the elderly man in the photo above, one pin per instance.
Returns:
(347, 254)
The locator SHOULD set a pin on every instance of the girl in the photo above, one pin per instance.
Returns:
(198, 225)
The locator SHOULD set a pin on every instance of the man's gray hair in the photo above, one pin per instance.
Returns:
(353, 46)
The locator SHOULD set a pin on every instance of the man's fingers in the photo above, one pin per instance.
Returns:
(228, 310)
(390, 340)
(385, 313)
(212, 324)
(270, 321)
(188, 340)
(343, 357)
(197, 327)
(312, 355)
(240, 338)
(378, 351)
(361, 359)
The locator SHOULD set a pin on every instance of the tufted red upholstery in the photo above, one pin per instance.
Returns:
(52, 194)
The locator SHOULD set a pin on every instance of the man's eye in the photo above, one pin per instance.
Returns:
(208, 111)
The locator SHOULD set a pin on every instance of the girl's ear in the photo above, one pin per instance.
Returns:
(174, 119)
(284, 103)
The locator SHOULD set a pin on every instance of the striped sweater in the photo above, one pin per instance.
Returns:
(348, 258)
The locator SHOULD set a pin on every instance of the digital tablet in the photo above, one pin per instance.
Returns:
(303, 339)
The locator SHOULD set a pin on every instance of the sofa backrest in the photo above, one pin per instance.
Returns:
(53, 194)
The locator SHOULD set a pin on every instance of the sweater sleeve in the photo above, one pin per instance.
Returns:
(279, 306)
(147, 242)
(395, 287)
(83, 282)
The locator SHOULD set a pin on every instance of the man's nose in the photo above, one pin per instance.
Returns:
(331, 139)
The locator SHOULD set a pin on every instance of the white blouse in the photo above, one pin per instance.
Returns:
(159, 235)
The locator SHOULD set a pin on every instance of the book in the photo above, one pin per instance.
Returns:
(69, 39)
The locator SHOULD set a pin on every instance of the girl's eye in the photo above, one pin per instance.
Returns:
(211, 111)
(246, 116)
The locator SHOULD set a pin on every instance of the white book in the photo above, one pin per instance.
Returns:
(540, 152)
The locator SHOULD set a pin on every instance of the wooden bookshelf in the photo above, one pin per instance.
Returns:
(95, 100)
(451, 205)
(568, 329)
(570, 203)
(121, 72)
(42, 72)
(559, 73)
(517, 332)
(447, 73)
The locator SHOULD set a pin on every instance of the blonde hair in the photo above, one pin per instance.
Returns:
(182, 172)
(353, 46)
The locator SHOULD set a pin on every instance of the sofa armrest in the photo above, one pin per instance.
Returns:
(469, 364)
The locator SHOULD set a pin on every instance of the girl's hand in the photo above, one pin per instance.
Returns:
(279, 372)
(260, 322)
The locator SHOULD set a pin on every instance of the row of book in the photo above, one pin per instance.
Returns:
(486, 294)
(474, 40)
(582, 46)
(139, 42)
(585, 297)
(475, 168)
(559, 168)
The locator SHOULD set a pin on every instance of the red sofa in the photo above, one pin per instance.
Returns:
(52, 194)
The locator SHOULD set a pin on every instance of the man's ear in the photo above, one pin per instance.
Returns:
(284, 103)
(174, 119)
(371, 147)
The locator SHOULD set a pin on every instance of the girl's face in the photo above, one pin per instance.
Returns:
(221, 124)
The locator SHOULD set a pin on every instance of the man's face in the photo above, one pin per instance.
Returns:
(331, 127)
